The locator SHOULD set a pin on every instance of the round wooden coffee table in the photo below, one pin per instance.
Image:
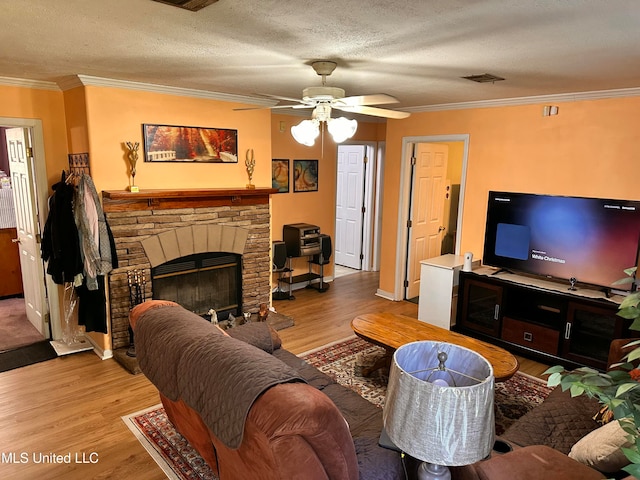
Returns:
(391, 331)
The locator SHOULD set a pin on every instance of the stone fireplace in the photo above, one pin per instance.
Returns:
(197, 233)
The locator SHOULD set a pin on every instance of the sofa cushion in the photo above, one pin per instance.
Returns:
(559, 422)
(533, 463)
(601, 449)
(312, 375)
(363, 417)
(258, 334)
(375, 462)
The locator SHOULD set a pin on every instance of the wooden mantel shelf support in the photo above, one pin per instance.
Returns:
(122, 200)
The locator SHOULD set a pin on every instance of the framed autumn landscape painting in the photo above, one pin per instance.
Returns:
(171, 143)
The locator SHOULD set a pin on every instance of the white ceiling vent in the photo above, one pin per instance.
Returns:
(484, 78)
(193, 5)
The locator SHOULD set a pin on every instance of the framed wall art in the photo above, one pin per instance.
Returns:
(280, 175)
(305, 175)
(172, 143)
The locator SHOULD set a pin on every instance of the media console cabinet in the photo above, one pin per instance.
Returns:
(538, 318)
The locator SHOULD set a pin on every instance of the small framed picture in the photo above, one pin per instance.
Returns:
(280, 175)
(305, 175)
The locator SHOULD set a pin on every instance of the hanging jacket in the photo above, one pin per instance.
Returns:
(95, 242)
(60, 245)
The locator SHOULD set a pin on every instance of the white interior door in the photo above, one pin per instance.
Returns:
(21, 167)
(349, 206)
(426, 228)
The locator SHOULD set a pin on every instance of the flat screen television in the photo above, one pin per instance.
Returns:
(589, 239)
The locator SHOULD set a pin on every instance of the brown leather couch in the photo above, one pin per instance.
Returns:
(542, 439)
(301, 424)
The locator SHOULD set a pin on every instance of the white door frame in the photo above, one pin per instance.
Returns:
(51, 307)
(377, 205)
(405, 202)
(370, 240)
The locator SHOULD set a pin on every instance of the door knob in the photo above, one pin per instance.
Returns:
(15, 240)
(441, 229)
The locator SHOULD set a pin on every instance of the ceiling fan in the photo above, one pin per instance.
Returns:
(334, 97)
(323, 99)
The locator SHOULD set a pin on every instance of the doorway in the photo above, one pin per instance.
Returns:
(358, 197)
(448, 222)
(24, 150)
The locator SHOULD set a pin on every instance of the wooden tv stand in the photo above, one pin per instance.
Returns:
(539, 318)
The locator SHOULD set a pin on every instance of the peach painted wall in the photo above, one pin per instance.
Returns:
(115, 116)
(317, 208)
(77, 125)
(48, 106)
(589, 149)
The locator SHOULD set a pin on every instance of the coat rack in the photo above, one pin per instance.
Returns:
(79, 163)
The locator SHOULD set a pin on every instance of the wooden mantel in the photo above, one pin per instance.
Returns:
(123, 200)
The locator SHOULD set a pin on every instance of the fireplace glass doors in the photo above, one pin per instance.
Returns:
(201, 282)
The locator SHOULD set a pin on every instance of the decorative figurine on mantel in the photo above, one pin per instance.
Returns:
(132, 156)
(250, 162)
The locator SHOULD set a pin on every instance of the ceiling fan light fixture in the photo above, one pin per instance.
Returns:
(306, 132)
(341, 128)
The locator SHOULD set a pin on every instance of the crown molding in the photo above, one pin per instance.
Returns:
(506, 102)
(87, 80)
(75, 81)
(26, 83)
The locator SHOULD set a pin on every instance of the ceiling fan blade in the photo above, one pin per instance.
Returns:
(377, 99)
(270, 108)
(376, 112)
(278, 97)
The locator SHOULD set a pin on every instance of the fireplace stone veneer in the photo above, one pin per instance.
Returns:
(155, 226)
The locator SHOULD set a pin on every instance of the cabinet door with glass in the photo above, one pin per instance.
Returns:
(588, 333)
(481, 307)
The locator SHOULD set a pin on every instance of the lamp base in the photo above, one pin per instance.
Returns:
(430, 471)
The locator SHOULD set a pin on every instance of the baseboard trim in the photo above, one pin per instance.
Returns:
(102, 354)
(386, 295)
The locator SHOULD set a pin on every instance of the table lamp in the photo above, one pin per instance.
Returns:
(439, 406)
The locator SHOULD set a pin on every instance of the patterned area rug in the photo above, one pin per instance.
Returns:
(342, 361)
(513, 398)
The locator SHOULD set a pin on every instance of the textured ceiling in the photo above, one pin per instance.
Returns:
(415, 50)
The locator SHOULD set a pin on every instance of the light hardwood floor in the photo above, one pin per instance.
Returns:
(73, 404)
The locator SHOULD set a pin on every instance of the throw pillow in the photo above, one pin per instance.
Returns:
(258, 334)
(601, 449)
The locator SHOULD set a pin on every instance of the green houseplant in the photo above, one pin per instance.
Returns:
(618, 389)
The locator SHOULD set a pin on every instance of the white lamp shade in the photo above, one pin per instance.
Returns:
(442, 425)
(341, 128)
(306, 132)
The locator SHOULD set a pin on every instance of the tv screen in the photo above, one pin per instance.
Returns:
(590, 239)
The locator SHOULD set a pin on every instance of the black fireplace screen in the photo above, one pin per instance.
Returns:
(201, 282)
